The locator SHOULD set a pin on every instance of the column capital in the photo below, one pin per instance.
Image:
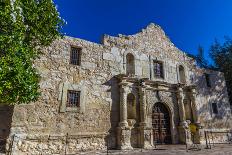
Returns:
(193, 90)
(123, 83)
(142, 88)
(180, 89)
(124, 89)
(180, 94)
(123, 124)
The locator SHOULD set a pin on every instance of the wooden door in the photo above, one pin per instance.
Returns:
(161, 124)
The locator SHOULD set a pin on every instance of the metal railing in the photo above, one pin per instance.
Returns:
(210, 138)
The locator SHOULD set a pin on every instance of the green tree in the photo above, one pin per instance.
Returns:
(200, 58)
(26, 26)
(222, 56)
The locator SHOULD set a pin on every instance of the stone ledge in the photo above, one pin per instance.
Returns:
(64, 136)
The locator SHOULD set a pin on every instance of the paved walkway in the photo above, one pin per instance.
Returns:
(225, 149)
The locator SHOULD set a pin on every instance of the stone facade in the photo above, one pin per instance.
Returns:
(107, 116)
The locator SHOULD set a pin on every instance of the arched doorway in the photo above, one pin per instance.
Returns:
(161, 124)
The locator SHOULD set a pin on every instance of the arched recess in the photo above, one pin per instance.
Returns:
(131, 106)
(188, 109)
(133, 119)
(161, 123)
(130, 64)
(182, 77)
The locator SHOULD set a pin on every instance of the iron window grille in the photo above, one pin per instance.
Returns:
(73, 99)
(158, 69)
(75, 56)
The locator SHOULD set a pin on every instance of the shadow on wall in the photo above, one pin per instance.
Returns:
(111, 138)
(215, 94)
(6, 113)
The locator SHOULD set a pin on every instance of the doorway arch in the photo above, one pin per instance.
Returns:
(161, 124)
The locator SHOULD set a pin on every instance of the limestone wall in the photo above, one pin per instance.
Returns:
(206, 96)
(45, 118)
(148, 45)
(217, 93)
(49, 126)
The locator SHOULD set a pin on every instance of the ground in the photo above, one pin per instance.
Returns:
(177, 150)
(225, 149)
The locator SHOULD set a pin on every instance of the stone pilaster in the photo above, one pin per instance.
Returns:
(124, 132)
(146, 137)
(194, 106)
(183, 125)
(142, 103)
(197, 135)
(180, 97)
(123, 105)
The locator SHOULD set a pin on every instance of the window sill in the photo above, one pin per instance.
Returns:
(72, 109)
(158, 78)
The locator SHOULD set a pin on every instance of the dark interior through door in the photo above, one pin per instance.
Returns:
(161, 124)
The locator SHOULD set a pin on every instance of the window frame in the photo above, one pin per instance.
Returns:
(161, 69)
(73, 105)
(63, 97)
(77, 61)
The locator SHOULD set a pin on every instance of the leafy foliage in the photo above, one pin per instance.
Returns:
(222, 56)
(201, 61)
(26, 26)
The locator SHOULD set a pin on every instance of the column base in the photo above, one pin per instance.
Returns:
(146, 137)
(184, 133)
(199, 133)
(123, 138)
(124, 147)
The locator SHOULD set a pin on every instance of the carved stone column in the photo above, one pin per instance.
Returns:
(123, 105)
(145, 132)
(197, 135)
(180, 98)
(183, 126)
(124, 132)
(142, 103)
(194, 106)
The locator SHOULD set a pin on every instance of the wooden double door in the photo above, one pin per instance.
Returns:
(161, 124)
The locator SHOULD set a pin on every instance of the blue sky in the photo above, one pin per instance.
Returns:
(188, 23)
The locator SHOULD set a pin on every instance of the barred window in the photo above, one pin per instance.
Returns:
(73, 99)
(214, 108)
(75, 56)
(158, 69)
